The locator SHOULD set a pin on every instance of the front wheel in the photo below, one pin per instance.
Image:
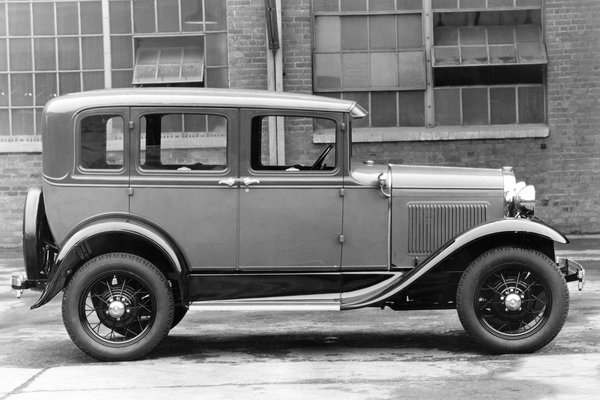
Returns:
(117, 307)
(512, 300)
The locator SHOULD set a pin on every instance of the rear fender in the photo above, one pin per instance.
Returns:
(76, 250)
(399, 281)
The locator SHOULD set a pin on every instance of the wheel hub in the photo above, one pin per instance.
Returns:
(513, 302)
(116, 309)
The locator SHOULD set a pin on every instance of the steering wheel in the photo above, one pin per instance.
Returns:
(319, 162)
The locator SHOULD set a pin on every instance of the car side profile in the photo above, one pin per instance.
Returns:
(154, 202)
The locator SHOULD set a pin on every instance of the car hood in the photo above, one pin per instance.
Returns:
(430, 177)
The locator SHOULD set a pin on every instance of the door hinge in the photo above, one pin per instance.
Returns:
(341, 239)
(131, 125)
(130, 191)
(342, 192)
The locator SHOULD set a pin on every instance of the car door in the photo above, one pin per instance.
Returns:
(290, 218)
(179, 180)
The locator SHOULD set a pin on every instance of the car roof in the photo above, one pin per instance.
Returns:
(199, 97)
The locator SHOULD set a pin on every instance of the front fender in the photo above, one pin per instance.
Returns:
(399, 281)
(75, 249)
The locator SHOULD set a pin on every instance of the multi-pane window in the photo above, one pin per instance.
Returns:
(485, 65)
(50, 48)
(46, 49)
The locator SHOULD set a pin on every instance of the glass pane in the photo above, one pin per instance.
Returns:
(501, 35)
(355, 70)
(99, 136)
(411, 108)
(92, 52)
(122, 52)
(528, 34)
(120, 17)
(166, 145)
(531, 105)
(381, 5)
(69, 83)
(524, 3)
(144, 73)
(354, 33)
(474, 55)
(499, 3)
(472, 35)
(169, 73)
(216, 15)
(409, 4)
(446, 56)
(472, 3)
(217, 77)
(191, 15)
(43, 19)
(2, 20)
(531, 53)
(20, 55)
(143, 17)
(410, 31)
(3, 55)
(447, 106)
(91, 17)
(439, 4)
(122, 79)
(38, 118)
(21, 89)
(67, 20)
(3, 90)
(475, 106)
(93, 80)
(216, 49)
(354, 5)
(4, 124)
(327, 71)
(22, 122)
(168, 15)
(412, 70)
(383, 109)
(45, 88)
(502, 54)
(326, 5)
(382, 32)
(503, 106)
(327, 34)
(445, 36)
(361, 98)
(68, 53)
(384, 70)
(19, 23)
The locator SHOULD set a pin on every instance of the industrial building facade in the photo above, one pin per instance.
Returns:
(482, 83)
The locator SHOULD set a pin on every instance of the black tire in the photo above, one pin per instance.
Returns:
(117, 307)
(512, 300)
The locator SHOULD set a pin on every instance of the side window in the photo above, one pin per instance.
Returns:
(101, 142)
(183, 142)
(301, 154)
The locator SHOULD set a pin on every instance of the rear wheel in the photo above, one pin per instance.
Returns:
(512, 300)
(117, 307)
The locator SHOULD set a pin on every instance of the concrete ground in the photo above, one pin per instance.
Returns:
(364, 354)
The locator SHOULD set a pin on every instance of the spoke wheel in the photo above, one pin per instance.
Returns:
(118, 307)
(512, 300)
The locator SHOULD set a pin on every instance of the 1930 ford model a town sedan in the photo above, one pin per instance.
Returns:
(156, 201)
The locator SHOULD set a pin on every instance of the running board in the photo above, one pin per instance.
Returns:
(263, 306)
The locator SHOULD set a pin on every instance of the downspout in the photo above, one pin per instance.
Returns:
(275, 78)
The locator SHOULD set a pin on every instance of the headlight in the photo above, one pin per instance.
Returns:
(519, 198)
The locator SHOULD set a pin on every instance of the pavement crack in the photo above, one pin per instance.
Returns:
(19, 389)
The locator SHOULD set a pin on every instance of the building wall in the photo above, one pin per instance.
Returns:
(563, 167)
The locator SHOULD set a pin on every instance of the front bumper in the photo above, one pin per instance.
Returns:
(572, 270)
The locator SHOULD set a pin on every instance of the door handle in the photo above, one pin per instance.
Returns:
(229, 182)
(249, 181)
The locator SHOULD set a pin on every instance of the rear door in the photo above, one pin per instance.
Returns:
(183, 180)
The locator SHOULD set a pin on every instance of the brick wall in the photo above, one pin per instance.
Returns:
(17, 173)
